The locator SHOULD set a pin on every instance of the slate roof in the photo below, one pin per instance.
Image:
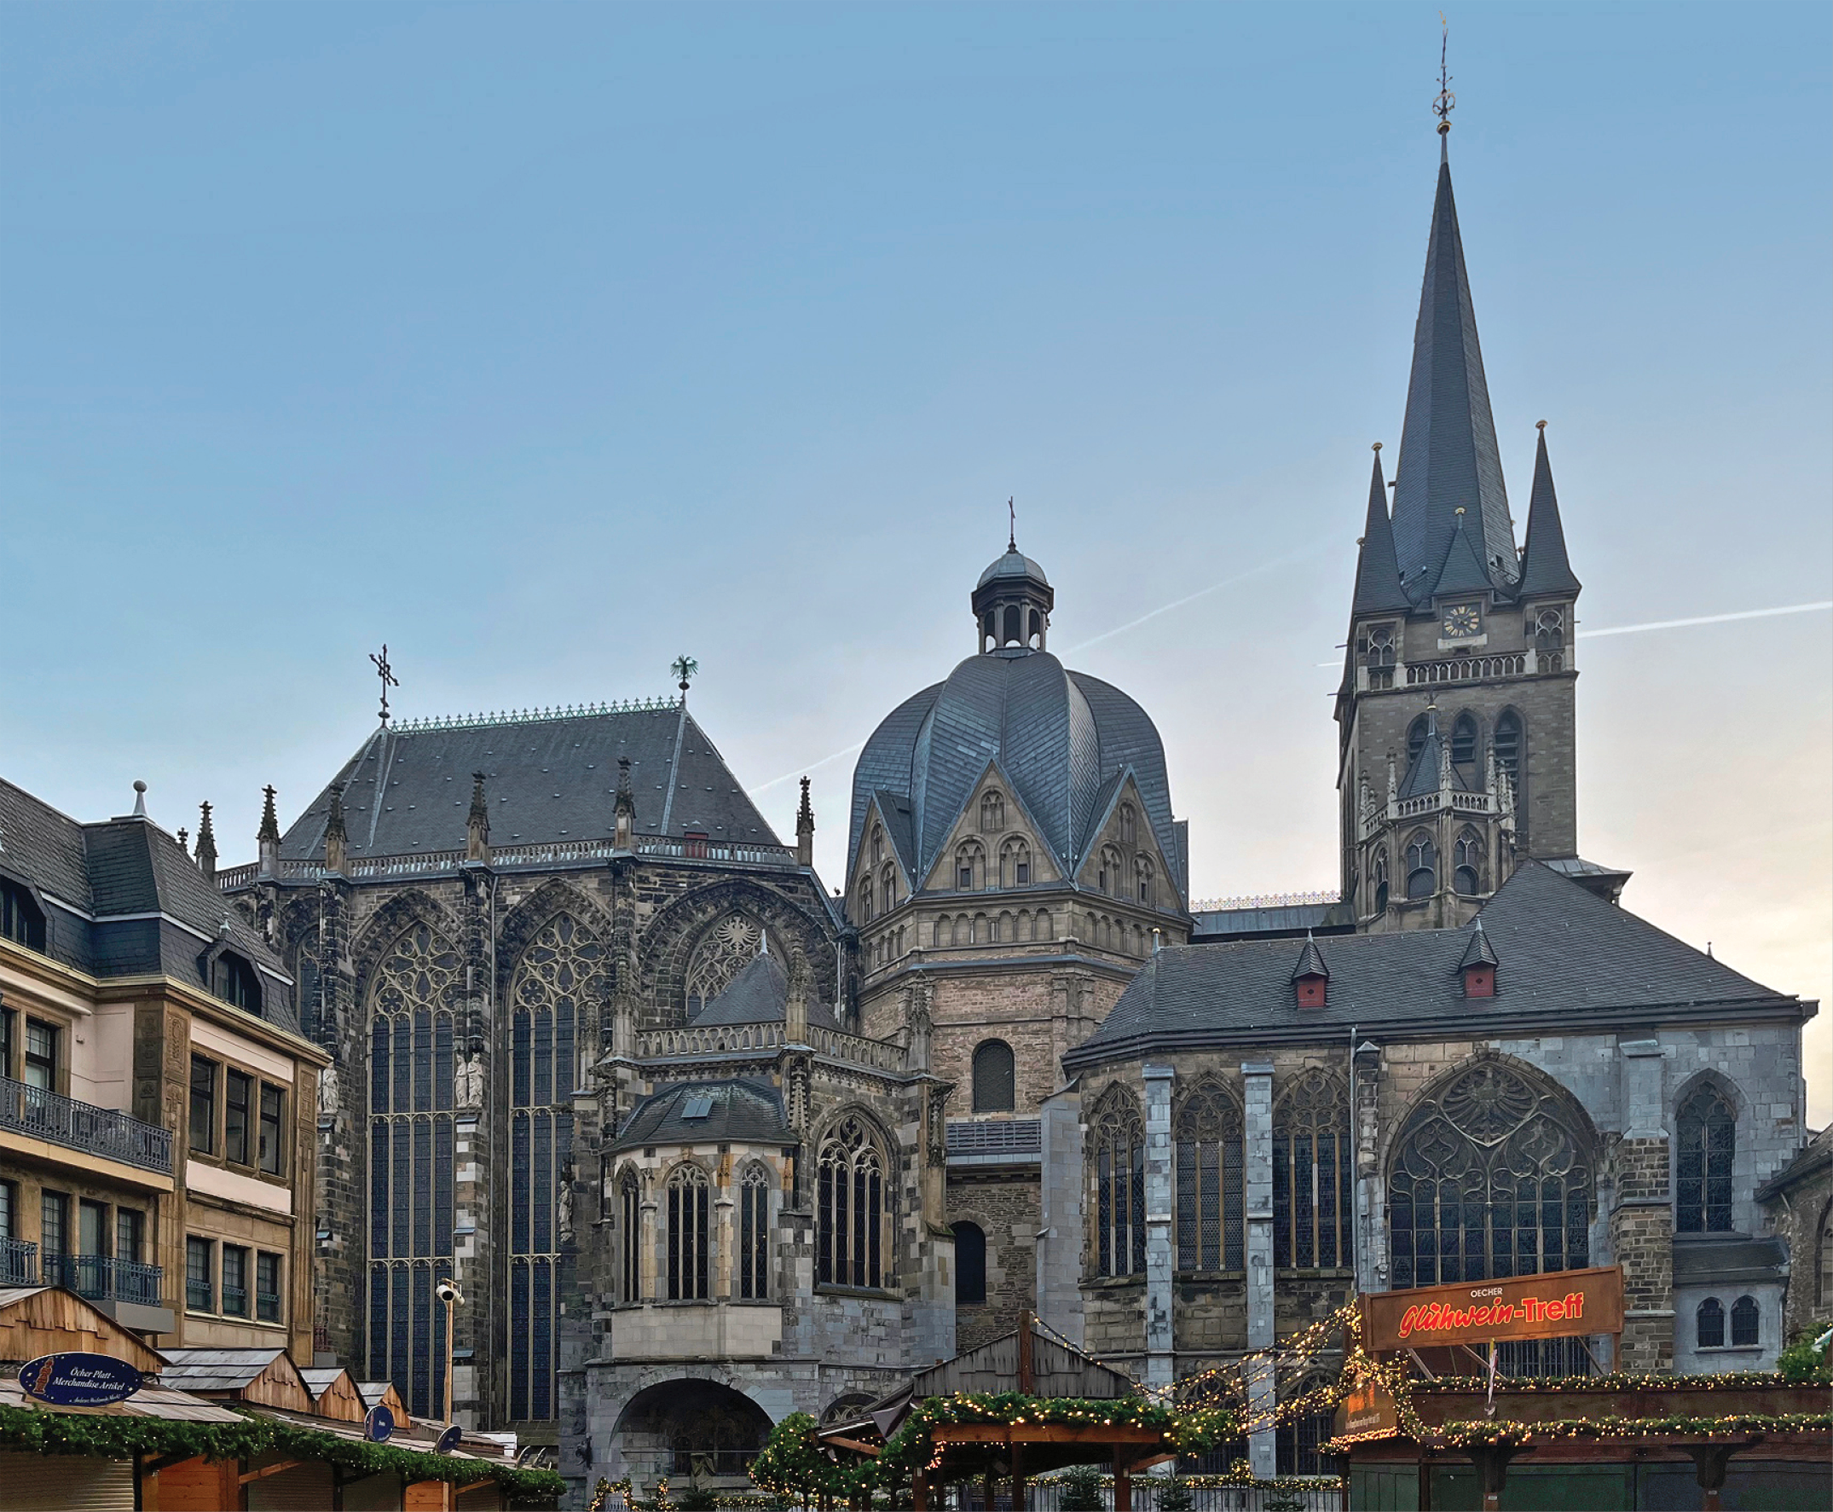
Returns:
(1545, 567)
(1477, 949)
(547, 779)
(1014, 564)
(759, 994)
(121, 898)
(740, 1111)
(1448, 452)
(215, 1369)
(1310, 961)
(1424, 769)
(1815, 1155)
(1721, 1259)
(1058, 736)
(1378, 589)
(320, 1378)
(1568, 953)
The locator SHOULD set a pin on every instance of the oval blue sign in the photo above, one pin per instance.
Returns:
(79, 1380)
(448, 1441)
(378, 1425)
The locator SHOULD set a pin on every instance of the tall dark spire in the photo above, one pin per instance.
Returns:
(1448, 454)
(1378, 588)
(1545, 567)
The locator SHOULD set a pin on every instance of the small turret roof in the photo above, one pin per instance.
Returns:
(1545, 567)
(1378, 589)
(1479, 952)
(1463, 570)
(1014, 564)
(1310, 961)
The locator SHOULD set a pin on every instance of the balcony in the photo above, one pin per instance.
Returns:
(39, 1114)
(18, 1263)
(127, 1291)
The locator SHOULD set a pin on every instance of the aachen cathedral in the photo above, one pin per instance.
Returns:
(706, 1142)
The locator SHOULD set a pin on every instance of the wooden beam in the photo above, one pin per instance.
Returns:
(488, 1480)
(1045, 1433)
(267, 1470)
(854, 1444)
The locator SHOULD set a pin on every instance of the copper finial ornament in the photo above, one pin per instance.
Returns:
(1446, 101)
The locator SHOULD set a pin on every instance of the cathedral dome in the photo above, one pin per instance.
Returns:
(1064, 740)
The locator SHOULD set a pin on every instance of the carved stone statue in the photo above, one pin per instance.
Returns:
(327, 1090)
(566, 1204)
(470, 1081)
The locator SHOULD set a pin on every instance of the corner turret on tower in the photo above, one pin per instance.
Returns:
(206, 842)
(267, 838)
(805, 829)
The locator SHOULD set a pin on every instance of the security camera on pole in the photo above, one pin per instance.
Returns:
(451, 1298)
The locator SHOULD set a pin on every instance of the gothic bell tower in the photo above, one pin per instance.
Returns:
(1456, 711)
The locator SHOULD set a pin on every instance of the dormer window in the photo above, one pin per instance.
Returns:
(21, 919)
(234, 981)
(1310, 977)
(1479, 981)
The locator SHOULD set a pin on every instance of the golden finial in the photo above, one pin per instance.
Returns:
(1446, 101)
(1377, 446)
(1540, 425)
(1459, 510)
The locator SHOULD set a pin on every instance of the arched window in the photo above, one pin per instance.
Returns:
(1464, 742)
(865, 900)
(754, 1235)
(1422, 866)
(1416, 737)
(1709, 1324)
(1015, 864)
(1144, 879)
(1041, 927)
(1129, 825)
(1705, 1146)
(1118, 1155)
(1509, 741)
(726, 949)
(1313, 1194)
(970, 1263)
(21, 919)
(850, 1195)
(887, 887)
(992, 813)
(994, 1077)
(558, 985)
(1467, 865)
(1744, 1323)
(970, 866)
(1306, 1425)
(1015, 626)
(233, 980)
(1034, 635)
(878, 844)
(689, 1209)
(630, 1220)
(1378, 879)
(1491, 1176)
(1550, 639)
(1210, 1211)
(940, 935)
(414, 1002)
(1107, 878)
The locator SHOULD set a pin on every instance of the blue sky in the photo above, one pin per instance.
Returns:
(548, 342)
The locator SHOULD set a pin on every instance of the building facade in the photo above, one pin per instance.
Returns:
(157, 1153)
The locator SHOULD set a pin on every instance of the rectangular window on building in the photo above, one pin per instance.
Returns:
(8, 1020)
(200, 1285)
(9, 1194)
(18, 1260)
(130, 1235)
(203, 1104)
(271, 1102)
(40, 1055)
(53, 1224)
(236, 1087)
(235, 1281)
(267, 1287)
(90, 1274)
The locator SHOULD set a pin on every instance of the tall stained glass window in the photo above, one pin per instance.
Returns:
(850, 1202)
(1119, 1159)
(559, 979)
(1312, 1190)
(413, 1021)
(1211, 1210)
(1705, 1144)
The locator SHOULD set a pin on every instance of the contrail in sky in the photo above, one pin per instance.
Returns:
(1673, 624)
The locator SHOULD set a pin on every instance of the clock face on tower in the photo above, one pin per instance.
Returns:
(1462, 620)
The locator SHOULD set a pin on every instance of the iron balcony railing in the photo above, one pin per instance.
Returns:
(18, 1263)
(267, 1306)
(83, 1126)
(101, 1278)
(199, 1295)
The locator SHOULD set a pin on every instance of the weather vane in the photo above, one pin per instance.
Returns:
(1012, 521)
(1446, 101)
(684, 667)
(387, 674)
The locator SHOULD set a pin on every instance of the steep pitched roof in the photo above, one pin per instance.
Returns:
(1478, 952)
(1448, 452)
(1424, 769)
(1571, 957)
(1462, 571)
(1545, 567)
(759, 994)
(1378, 589)
(546, 779)
(1310, 961)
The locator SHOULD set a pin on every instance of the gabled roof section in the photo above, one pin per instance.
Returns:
(1462, 571)
(1545, 567)
(1378, 589)
(1448, 453)
(1310, 961)
(743, 1111)
(1478, 952)
(759, 994)
(1425, 769)
(551, 778)
(1572, 958)
(894, 811)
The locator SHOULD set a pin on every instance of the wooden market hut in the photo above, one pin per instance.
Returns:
(42, 1320)
(1029, 1364)
(334, 1394)
(264, 1377)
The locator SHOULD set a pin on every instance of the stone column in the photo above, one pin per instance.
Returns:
(1257, 1180)
(1160, 1339)
(1060, 1228)
(1371, 1240)
(1642, 1219)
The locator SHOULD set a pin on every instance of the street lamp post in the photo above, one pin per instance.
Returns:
(448, 1293)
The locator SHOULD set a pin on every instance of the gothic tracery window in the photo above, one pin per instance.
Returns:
(1108, 879)
(1709, 1324)
(630, 1222)
(1015, 864)
(1416, 737)
(1378, 879)
(1129, 825)
(1143, 879)
(1301, 1435)
(754, 1235)
(1491, 1177)
(1744, 1319)
(850, 1197)
(1467, 865)
(970, 866)
(992, 813)
(414, 1008)
(887, 887)
(1211, 1214)
(1705, 1146)
(1119, 1159)
(724, 951)
(1313, 1202)
(995, 1078)
(1550, 639)
(1422, 866)
(558, 983)
(689, 1239)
